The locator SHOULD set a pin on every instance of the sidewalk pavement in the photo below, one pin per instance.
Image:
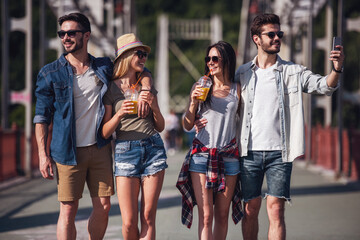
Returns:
(322, 208)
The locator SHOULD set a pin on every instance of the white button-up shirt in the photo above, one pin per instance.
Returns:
(291, 81)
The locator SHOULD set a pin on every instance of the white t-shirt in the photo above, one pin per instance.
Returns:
(265, 126)
(86, 90)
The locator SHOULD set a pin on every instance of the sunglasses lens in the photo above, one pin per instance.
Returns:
(141, 54)
(71, 34)
(215, 59)
(271, 35)
(280, 34)
(61, 34)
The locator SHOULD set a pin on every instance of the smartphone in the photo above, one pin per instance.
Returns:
(336, 41)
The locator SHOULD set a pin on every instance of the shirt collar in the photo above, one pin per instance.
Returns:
(278, 67)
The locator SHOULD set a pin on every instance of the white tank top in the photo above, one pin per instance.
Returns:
(220, 114)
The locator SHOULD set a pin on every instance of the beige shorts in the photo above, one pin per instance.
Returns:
(94, 166)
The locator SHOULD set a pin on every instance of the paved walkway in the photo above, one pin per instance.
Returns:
(321, 209)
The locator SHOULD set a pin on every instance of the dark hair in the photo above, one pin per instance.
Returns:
(228, 58)
(261, 20)
(76, 17)
(228, 61)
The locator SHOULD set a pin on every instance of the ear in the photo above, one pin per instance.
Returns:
(255, 38)
(87, 35)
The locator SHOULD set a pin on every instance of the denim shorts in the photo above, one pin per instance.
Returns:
(258, 164)
(198, 163)
(140, 158)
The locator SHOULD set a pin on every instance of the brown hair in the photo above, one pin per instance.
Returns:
(76, 17)
(261, 20)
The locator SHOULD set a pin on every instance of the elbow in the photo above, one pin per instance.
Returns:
(160, 128)
(105, 135)
(187, 125)
(187, 129)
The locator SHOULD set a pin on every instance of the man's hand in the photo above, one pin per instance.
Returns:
(46, 165)
(337, 57)
(143, 108)
(199, 124)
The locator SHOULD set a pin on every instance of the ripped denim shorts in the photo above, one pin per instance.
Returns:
(140, 158)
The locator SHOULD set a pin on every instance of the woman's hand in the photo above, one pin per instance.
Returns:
(127, 107)
(197, 92)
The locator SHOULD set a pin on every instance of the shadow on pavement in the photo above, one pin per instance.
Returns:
(329, 189)
(10, 223)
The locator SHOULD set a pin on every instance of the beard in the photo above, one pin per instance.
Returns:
(78, 45)
(268, 47)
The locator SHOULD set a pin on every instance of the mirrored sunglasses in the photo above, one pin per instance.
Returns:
(215, 59)
(271, 35)
(70, 33)
(141, 54)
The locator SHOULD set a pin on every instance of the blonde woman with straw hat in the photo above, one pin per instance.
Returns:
(140, 158)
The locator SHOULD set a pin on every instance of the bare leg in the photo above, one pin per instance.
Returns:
(250, 222)
(204, 199)
(66, 223)
(221, 209)
(276, 214)
(150, 192)
(128, 192)
(99, 217)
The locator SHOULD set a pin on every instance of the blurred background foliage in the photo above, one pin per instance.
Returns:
(147, 13)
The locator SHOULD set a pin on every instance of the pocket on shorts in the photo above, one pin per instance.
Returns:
(122, 147)
(157, 141)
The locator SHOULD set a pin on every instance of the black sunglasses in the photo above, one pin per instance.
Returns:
(215, 59)
(141, 54)
(70, 33)
(271, 35)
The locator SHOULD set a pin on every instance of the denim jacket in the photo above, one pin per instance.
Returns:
(55, 103)
(291, 80)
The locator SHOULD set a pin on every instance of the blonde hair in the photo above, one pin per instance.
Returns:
(122, 64)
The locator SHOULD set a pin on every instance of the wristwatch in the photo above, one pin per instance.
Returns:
(339, 71)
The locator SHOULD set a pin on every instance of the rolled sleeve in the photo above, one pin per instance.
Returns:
(44, 100)
(315, 83)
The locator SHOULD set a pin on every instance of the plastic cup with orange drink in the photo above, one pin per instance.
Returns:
(205, 84)
(132, 95)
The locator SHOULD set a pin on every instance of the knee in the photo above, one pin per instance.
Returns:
(129, 225)
(276, 210)
(106, 207)
(149, 218)
(222, 218)
(252, 208)
(68, 210)
(207, 219)
(103, 208)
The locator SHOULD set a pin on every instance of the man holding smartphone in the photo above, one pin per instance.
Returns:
(271, 130)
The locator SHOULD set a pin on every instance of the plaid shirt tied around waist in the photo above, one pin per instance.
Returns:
(215, 179)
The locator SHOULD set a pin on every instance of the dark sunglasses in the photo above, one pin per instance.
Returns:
(215, 59)
(271, 35)
(70, 33)
(141, 54)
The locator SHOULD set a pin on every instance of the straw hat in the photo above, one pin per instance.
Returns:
(126, 42)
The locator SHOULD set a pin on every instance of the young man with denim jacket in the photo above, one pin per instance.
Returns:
(69, 95)
(271, 126)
